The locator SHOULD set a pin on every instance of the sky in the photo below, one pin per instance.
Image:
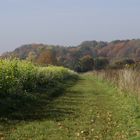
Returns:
(66, 22)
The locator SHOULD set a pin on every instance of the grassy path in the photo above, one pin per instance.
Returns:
(90, 110)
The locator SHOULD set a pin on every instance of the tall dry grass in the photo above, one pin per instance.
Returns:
(126, 79)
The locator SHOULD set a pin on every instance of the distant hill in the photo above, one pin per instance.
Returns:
(67, 56)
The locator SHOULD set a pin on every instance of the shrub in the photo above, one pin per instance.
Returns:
(19, 76)
(101, 63)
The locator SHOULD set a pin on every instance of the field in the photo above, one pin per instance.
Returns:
(127, 80)
(66, 106)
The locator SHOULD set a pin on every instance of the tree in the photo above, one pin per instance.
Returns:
(122, 63)
(31, 56)
(47, 57)
(87, 63)
(101, 63)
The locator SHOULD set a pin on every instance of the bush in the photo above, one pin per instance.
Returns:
(101, 63)
(20, 76)
(122, 64)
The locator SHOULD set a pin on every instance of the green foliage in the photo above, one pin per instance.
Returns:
(101, 63)
(84, 64)
(20, 76)
(87, 63)
(122, 64)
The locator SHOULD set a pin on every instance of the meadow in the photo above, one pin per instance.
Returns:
(91, 109)
(51, 103)
(127, 79)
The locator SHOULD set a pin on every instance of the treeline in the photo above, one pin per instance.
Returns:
(88, 63)
(79, 63)
(87, 56)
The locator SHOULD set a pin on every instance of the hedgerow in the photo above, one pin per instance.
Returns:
(18, 76)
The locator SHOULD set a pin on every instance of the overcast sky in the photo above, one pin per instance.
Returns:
(66, 22)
